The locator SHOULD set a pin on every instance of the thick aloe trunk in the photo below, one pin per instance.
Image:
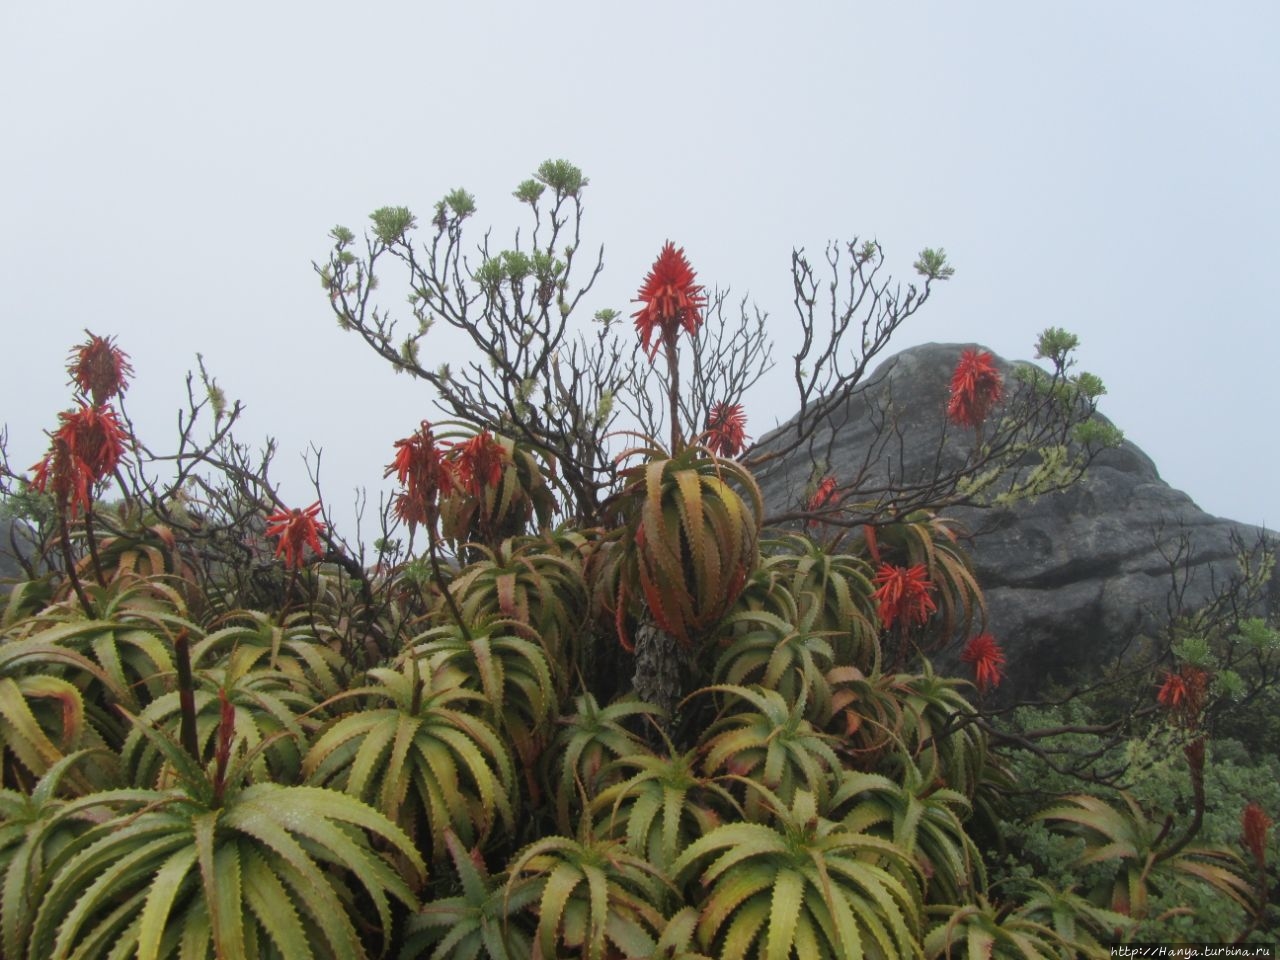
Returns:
(659, 661)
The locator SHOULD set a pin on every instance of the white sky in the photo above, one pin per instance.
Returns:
(170, 171)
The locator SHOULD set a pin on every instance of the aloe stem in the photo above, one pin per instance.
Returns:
(449, 598)
(64, 539)
(93, 545)
(186, 696)
(673, 391)
(288, 597)
(1195, 762)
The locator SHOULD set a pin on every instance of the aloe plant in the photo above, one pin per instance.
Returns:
(661, 806)
(43, 712)
(1084, 926)
(33, 833)
(829, 594)
(938, 720)
(271, 708)
(866, 716)
(690, 541)
(770, 652)
(513, 676)
(134, 653)
(922, 818)
(292, 648)
(983, 929)
(416, 752)
(593, 897)
(488, 513)
(802, 884)
(214, 865)
(931, 541)
(485, 918)
(768, 739)
(142, 546)
(529, 582)
(1142, 854)
(580, 757)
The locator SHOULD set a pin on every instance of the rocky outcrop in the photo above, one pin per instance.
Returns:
(1070, 578)
(8, 563)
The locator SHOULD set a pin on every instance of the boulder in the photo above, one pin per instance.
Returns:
(9, 567)
(1070, 578)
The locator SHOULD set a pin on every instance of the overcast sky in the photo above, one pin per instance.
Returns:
(170, 170)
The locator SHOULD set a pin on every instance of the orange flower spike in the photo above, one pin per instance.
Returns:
(903, 594)
(1173, 692)
(987, 659)
(873, 541)
(297, 530)
(85, 449)
(824, 496)
(479, 463)
(1255, 824)
(412, 511)
(99, 369)
(94, 435)
(726, 432)
(670, 300)
(66, 476)
(976, 387)
(418, 464)
(1185, 693)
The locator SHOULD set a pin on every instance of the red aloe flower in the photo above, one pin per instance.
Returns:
(95, 436)
(903, 594)
(478, 463)
(421, 468)
(976, 387)
(670, 300)
(297, 529)
(1255, 824)
(85, 449)
(66, 476)
(823, 496)
(412, 510)
(99, 369)
(988, 660)
(726, 432)
(1173, 692)
(1184, 693)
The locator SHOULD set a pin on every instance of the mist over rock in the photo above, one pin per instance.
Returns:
(1070, 578)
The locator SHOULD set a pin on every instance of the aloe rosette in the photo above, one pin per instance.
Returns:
(416, 752)
(801, 886)
(690, 542)
(211, 865)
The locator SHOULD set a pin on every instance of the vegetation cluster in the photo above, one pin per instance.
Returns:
(585, 695)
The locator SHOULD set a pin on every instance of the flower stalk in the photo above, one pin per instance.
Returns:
(673, 394)
(69, 560)
(186, 695)
(222, 754)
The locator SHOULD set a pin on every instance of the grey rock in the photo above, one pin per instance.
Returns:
(1071, 578)
(9, 567)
